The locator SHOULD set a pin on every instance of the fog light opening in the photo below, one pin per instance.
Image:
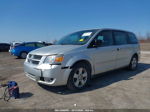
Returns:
(49, 79)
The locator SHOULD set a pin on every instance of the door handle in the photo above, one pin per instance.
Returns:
(118, 49)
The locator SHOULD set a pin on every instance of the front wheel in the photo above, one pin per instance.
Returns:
(23, 55)
(79, 77)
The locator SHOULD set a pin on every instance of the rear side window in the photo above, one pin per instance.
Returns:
(132, 38)
(30, 45)
(120, 38)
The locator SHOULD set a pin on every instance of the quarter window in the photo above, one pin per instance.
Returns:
(120, 38)
(132, 38)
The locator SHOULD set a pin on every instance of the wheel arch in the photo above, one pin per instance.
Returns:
(70, 83)
(82, 61)
(22, 52)
(136, 54)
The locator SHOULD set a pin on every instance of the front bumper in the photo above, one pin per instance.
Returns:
(14, 52)
(52, 75)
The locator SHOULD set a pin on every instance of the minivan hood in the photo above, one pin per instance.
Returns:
(54, 49)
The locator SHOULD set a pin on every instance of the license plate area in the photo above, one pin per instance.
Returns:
(34, 72)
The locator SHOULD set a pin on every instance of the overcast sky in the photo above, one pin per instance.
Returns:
(47, 20)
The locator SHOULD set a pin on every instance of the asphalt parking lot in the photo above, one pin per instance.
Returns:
(118, 89)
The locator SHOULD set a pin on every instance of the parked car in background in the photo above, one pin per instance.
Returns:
(81, 55)
(4, 47)
(47, 44)
(13, 44)
(21, 50)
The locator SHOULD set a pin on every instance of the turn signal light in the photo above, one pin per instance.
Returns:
(59, 59)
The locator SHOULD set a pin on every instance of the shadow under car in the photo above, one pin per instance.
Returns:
(101, 80)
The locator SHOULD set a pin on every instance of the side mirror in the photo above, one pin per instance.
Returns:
(97, 43)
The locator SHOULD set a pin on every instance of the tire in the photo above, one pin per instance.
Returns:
(79, 76)
(133, 63)
(23, 55)
(18, 57)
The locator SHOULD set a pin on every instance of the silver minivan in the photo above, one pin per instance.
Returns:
(77, 57)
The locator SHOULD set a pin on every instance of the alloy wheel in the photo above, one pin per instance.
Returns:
(134, 63)
(80, 77)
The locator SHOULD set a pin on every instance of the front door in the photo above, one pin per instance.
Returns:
(104, 55)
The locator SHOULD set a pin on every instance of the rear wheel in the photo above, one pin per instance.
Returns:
(133, 63)
(23, 55)
(79, 76)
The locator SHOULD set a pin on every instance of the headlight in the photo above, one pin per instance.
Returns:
(54, 59)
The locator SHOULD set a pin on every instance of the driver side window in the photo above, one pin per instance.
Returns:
(106, 38)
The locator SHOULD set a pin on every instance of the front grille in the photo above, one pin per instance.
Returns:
(35, 62)
(34, 59)
(37, 57)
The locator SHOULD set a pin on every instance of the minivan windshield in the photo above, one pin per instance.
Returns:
(77, 38)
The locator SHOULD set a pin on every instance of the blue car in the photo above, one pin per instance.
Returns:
(23, 49)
